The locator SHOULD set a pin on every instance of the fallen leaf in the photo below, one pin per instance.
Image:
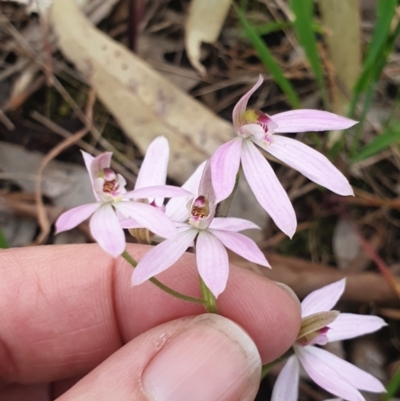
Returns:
(145, 104)
(204, 24)
(66, 184)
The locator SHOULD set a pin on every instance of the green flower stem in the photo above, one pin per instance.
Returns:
(164, 287)
(266, 368)
(210, 303)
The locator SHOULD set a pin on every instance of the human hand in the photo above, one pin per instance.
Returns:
(72, 327)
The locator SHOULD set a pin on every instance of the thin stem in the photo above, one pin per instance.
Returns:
(164, 287)
(266, 368)
(210, 303)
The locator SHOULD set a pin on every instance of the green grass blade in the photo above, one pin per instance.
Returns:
(381, 142)
(385, 11)
(303, 26)
(392, 387)
(3, 241)
(268, 60)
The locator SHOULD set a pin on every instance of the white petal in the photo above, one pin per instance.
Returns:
(310, 120)
(75, 216)
(159, 191)
(267, 188)
(325, 375)
(212, 262)
(324, 299)
(312, 164)
(176, 208)
(106, 230)
(242, 245)
(353, 375)
(162, 256)
(349, 325)
(286, 387)
(88, 159)
(232, 224)
(149, 217)
(153, 170)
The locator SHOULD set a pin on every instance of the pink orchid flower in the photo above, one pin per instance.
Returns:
(112, 202)
(211, 236)
(332, 373)
(256, 128)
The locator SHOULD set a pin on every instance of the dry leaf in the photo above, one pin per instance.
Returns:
(204, 24)
(145, 104)
(346, 244)
(67, 185)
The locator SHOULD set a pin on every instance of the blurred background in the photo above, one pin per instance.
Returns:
(114, 74)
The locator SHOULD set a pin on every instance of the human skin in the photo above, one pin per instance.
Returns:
(66, 310)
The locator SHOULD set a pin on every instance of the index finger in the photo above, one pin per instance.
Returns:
(64, 309)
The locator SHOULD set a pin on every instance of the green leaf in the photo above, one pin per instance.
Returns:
(373, 62)
(392, 387)
(268, 60)
(380, 143)
(3, 241)
(303, 26)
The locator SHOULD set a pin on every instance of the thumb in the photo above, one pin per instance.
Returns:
(206, 357)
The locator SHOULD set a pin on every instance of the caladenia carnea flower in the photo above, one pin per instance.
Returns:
(256, 129)
(320, 325)
(210, 236)
(114, 203)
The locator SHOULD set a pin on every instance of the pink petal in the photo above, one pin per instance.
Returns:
(224, 165)
(286, 387)
(162, 256)
(176, 208)
(212, 262)
(310, 120)
(324, 299)
(75, 216)
(353, 375)
(242, 245)
(309, 162)
(193, 182)
(149, 217)
(325, 375)
(206, 186)
(267, 188)
(349, 325)
(106, 230)
(99, 163)
(153, 170)
(241, 105)
(157, 191)
(129, 223)
(232, 224)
